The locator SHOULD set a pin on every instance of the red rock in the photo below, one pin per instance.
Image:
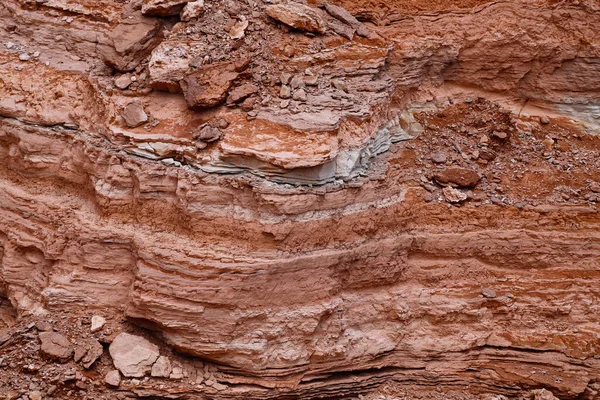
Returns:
(239, 93)
(458, 176)
(163, 8)
(56, 346)
(298, 16)
(209, 85)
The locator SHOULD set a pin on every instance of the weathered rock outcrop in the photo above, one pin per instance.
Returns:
(299, 210)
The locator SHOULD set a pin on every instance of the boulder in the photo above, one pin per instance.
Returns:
(457, 176)
(163, 8)
(133, 355)
(298, 16)
(209, 85)
(56, 346)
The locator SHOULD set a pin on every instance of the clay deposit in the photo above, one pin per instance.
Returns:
(255, 199)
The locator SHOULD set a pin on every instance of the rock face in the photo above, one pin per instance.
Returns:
(299, 204)
(133, 355)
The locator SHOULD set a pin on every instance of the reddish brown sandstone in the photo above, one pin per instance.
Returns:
(233, 199)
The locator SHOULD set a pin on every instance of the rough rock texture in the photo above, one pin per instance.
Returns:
(302, 240)
(55, 345)
(133, 355)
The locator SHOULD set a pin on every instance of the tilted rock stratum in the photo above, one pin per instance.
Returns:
(283, 199)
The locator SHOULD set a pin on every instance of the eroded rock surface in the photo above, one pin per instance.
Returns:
(299, 199)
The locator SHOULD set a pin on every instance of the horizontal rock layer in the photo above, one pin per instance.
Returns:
(293, 252)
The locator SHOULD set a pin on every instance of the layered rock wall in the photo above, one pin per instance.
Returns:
(301, 248)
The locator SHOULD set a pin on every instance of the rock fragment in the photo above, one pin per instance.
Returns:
(453, 195)
(176, 373)
(488, 292)
(208, 134)
(123, 82)
(163, 8)
(55, 346)
(161, 368)
(43, 326)
(344, 16)
(299, 95)
(297, 82)
(191, 10)
(97, 323)
(285, 92)
(238, 30)
(113, 378)
(458, 176)
(298, 16)
(93, 352)
(241, 92)
(209, 85)
(133, 355)
(134, 115)
(439, 158)
(341, 29)
(543, 394)
(312, 80)
(595, 187)
(35, 395)
(500, 135)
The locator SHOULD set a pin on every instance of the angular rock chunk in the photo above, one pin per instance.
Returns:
(543, 394)
(134, 115)
(298, 16)
(132, 40)
(453, 195)
(342, 30)
(113, 378)
(208, 134)
(97, 323)
(238, 30)
(241, 92)
(133, 355)
(163, 8)
(458, 176)
(193, 9)
(94, 351)
(56, 346)
(344, 16)
(161, 368)
(208, 86)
